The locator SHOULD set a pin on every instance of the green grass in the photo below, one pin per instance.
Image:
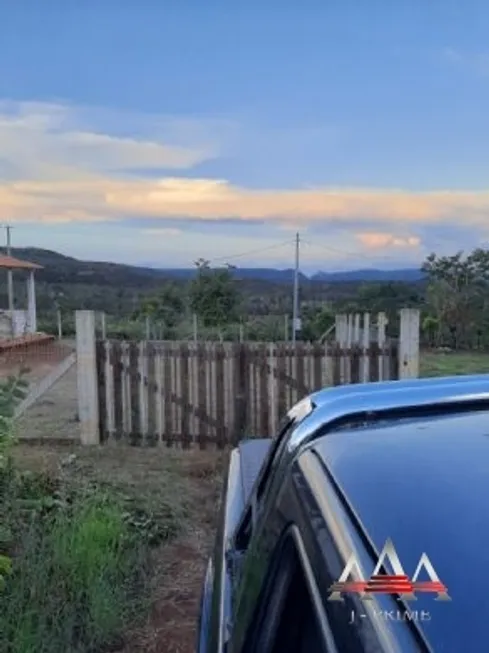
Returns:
(453, 363)
(73, 566)
(80, 548)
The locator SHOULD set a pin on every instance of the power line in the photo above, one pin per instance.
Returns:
(249, 252)
(334, 250)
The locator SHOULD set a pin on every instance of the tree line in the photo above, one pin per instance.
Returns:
(453, 298)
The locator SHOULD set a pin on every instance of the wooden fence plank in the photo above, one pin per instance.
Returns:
(159, 394)
(317, 367)
(109, 387)
(241, 389)
(126, 385)
(394, 361)
(274, 417)
(219, 367)
(355, 359)
(263, 430)
(374, 363)
(337, 364)
(152, 391)
(167, 390)
(202, 393)
(102, 390)
(281, 372)
(117, 367)
(143, 388)
(299, 371)
(185, 395)
(136, 430)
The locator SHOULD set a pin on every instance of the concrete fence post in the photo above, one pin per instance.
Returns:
(381, 339)
(366, 347)
(87, 383)
(409, 343)
(59, 320)
(103, 325)
(356, 329)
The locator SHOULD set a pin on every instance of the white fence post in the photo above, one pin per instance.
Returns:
(381, 326)
(341, 338)
(366, 347)
(103, 325)
(87, 384)
(356, 329)
(60, 324)
(409, 343)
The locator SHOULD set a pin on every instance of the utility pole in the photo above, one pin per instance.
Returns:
(10, 280)
(295, 316)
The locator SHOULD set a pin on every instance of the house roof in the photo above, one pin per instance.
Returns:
(11, 263)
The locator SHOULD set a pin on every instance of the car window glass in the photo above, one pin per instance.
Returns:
(288, 622)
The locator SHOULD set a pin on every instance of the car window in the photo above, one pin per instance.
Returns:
(286, 618)
(298, 630)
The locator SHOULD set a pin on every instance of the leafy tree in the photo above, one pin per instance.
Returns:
(430, 329)
(167, 306)
(214, 296)
(456, 295)
(316, 322)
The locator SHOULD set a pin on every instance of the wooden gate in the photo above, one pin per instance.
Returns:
(184, 393)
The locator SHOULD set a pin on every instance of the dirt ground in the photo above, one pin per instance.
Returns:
(54, 414)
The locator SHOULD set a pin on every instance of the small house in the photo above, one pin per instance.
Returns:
(19, 322)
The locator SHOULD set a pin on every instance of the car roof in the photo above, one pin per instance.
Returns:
(423, 482)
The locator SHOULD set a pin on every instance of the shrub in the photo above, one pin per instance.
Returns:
(11, 391)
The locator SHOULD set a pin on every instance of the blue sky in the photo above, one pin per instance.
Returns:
(146, 132)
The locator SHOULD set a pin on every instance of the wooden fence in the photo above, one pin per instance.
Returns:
(180, 392)
(200, 393)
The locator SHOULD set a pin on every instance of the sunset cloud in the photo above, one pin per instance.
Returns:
(102, 198)
(375, 240)
(57, 166)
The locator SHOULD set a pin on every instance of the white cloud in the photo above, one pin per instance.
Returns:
(66, 164)
(51, 142)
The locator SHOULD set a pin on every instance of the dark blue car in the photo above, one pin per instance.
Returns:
(355, 472)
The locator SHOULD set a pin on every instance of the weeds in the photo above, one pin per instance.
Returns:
(73, 555)
(71, 584)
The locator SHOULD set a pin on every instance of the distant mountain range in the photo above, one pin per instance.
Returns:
(275, 275)
(402, 274)
(70, 269)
